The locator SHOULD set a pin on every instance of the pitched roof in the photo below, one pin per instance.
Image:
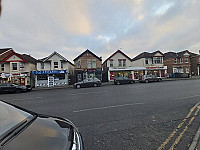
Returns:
(5, 54)
(3, 50)
(146, 55)
(177, 55)
(118, 51)
(28, 58)
(88, 51)
(54, 53)
(170, 55)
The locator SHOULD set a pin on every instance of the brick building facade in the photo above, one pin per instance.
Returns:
(178, 64)
(87, 65)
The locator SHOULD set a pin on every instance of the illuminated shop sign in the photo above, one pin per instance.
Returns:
(48, 72)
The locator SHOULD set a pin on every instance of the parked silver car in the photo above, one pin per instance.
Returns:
(149, 78)
(89, 82)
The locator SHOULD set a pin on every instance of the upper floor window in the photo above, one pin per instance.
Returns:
(186, 59)
(94, 64)
(56, 65)
(42, 65)
(2, 67)
(89, 64)
(111, 63)
(120, 63)
(157, 60)
(79, 64)
(21, 66)
(146, 61)
(61, 65)
(181, 60)
(175, 60)
(124, 63)
(14, 66)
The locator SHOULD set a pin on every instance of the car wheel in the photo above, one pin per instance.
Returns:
(78, 86)
(118, 83)
(95, 85)
(18, 91)
(146, 81)
(132, 82)
(159, 80)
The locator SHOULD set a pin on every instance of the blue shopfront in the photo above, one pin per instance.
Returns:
(50, 78)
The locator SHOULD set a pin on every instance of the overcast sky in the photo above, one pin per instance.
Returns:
(39, 27)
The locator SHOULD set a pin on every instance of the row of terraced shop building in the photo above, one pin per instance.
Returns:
(56, 70)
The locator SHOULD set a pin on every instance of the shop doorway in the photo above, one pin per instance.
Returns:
(50, 81)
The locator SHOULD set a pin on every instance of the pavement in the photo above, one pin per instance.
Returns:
(109, 83)
(160, 115)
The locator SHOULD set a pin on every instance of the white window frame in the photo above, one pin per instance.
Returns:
(22, 66)
(120, 63)
(89, 63)
(2, 67)
(94, 64)
(157, 60)
(146, 61)
(55, 66)
(61, 65)
(111, 64)
(124, 63)
(79, 64)
(42, 65)
(186, 58)
(181, 60)
(175, 60)
(13, 67)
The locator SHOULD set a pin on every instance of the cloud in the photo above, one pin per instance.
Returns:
(70, 27)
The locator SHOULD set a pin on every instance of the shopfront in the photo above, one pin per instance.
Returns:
(88, 73)
(17, 78)
(50, 78)
(157, 71)
(136, 72)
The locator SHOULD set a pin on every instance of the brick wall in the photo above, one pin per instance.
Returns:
(84, 61)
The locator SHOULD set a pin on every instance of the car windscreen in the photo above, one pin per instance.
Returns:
(10, 117)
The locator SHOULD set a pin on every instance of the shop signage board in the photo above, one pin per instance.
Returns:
(48, 72)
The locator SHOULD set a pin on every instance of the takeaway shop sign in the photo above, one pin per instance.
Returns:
(48, 72)
(155, 68)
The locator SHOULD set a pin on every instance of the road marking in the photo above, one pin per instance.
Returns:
(185, 129)
(114, 106)
(186, 97)
(25, 99)
(179, 126)
(74, 94)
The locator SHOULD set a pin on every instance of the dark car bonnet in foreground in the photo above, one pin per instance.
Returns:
(42, 133)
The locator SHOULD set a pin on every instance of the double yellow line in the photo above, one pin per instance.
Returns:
(179, 126)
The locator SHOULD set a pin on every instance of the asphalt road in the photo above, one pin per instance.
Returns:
(137, 116)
